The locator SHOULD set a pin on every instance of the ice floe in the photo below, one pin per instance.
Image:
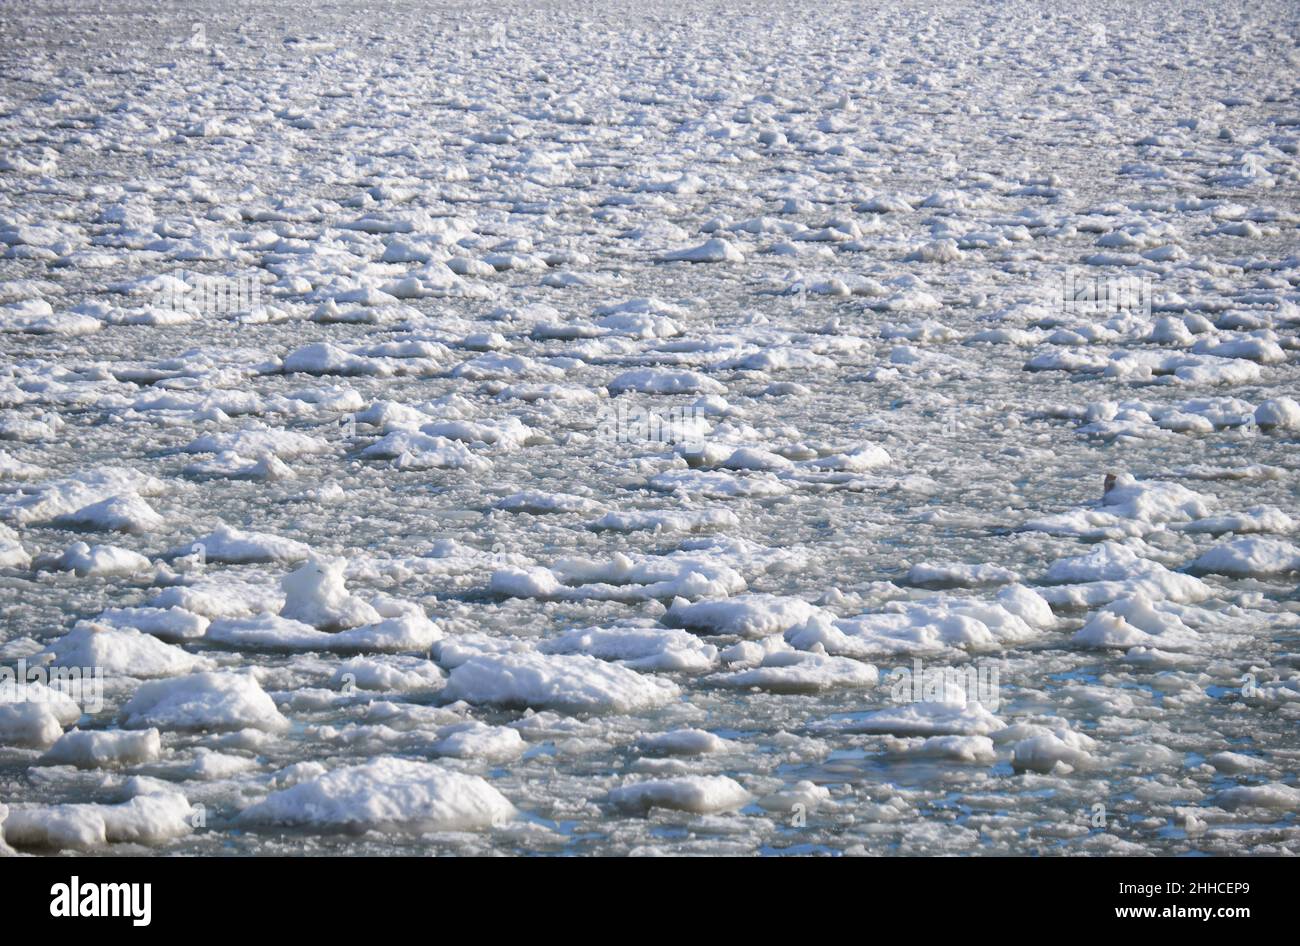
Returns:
(385, 794)
(207, 701)
(702, 794)
(573, 682)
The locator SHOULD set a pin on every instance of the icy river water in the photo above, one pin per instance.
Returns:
(688, 428)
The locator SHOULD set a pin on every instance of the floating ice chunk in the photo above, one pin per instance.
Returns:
(230, 465)
(1109, 561)
(752, 458)
(697, 520)
(971, 749)
(687, 574)
(1135, 622)
(122, 652)
(1153, 658)
(1233, 763)
(656, 232)
(385, 794)
(397, 634)
(236, 547)
(322, 358)
(199, 404)
(292, 775)
(935, 624)
(260, 441)
(102, 561)
(509, 433)
(751, 653)
(391, 415)
(1281, 413)
(798, 672)
(220, 596)
(665, 381)
(32, 322)
(1255, 519)
(35, 723)
(1130, 508)
(684, 183)
(640, 648)
(32, 713)
(209, 765)
(925, 573)
(938, 251)
(1261, 350)
(1154, 501)
(699, 794)
(496, 366)
(1051, 750)
(65, 827)
(401, 674)
(152, 817)
(97, 749)
(684, 742)
(12, 553)
(1249, 557)
(128, 513)
(923, 719)
(315, 594)
(926, 331)
(552, 393)
(212, 702)
(1207, 370)
(808, 794)
(716, 484)
(1027, 604)
(748, 615)
(389, 223)
(416, 451)
(170, 624)
(860, 459)
(30, 429)
(576, 683)
(476, 740)
(691, 572)
(530, 582)
(779, 359)
(539, 503)
(716, 250)
(641, 325)
(1111, 571)
(1102, 699)
(1274, 795)
(451, 652)
(376, 309)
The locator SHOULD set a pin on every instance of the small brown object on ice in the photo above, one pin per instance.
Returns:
(1110, 484)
